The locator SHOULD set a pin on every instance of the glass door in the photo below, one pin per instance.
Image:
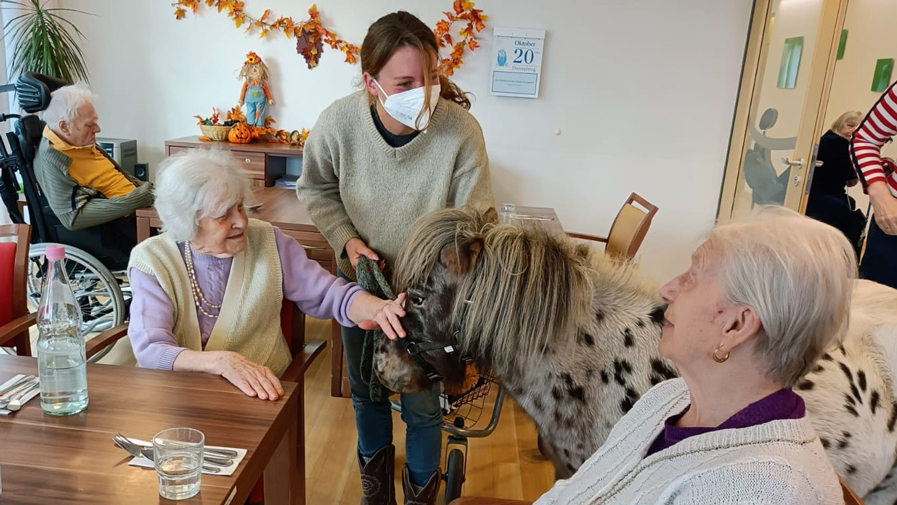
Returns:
(787, 61)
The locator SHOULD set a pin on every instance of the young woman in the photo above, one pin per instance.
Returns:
(376, 161)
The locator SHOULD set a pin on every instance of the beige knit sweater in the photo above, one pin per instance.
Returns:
(249, 320)
(354, 184)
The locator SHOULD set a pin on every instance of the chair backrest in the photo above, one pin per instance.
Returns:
(850, 498)
(23, 144)
(630, 227)
(14, 278)
(292, 324)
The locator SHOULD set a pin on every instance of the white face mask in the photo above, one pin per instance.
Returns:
(406, 106)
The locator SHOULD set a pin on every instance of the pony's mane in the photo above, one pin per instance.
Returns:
(527, 287)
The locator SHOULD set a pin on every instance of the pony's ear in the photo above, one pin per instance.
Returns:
(459, 258)
(491, 215)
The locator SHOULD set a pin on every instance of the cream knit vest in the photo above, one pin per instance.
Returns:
(249, 320)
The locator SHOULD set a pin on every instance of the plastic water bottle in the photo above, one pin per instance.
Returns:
(61, 361)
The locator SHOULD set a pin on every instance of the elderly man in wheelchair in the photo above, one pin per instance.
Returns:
(83, 185)
(76, 196)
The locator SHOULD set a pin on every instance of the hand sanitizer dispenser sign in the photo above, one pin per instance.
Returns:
(517, 62)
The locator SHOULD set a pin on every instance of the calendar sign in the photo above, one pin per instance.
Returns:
(517, 62)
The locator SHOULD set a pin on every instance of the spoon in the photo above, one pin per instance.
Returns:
(16, 403)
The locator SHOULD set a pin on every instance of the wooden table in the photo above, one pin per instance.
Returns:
(45, 459)
(264, 161)
(281, 208)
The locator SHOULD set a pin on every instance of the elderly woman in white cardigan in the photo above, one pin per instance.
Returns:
(207, 293)
(764, 299)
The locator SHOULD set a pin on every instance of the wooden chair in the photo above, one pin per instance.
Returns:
(628, 229)
(14, 317)
(292, 323)
(850, 498)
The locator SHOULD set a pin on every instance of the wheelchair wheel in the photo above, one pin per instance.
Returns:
(454, 475)
(96, 289)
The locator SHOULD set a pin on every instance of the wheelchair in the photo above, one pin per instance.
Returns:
(96, 271)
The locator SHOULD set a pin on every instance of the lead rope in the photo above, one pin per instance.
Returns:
(371, 279)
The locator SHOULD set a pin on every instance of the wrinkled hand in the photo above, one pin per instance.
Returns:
(884, 206)
(356, 248)
(387, 317)
(250, 378)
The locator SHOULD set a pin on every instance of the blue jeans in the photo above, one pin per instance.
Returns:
(421, 413)
(880, 259)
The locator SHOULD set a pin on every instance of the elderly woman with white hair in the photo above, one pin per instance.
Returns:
(763, 300)
(207, 293)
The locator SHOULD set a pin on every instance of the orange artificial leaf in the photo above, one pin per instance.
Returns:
(466, 5)
(313, 11)
(265, 15)
(448, 39)
(262, 35)
(238, 21)
(465, 32)
(442, 26)
(209, 3)
(472, 44)
(179, 13)
(457, 6)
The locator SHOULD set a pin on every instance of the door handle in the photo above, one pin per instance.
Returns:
(819, 163)
(793, 163)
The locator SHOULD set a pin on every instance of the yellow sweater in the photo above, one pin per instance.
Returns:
(90, 168)
(249, 320)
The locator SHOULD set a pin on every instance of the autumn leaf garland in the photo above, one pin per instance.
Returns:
(311, 35)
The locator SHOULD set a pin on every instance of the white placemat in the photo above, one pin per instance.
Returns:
(25, 399)
(225, 470)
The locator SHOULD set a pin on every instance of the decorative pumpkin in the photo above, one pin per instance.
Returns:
(240, 134)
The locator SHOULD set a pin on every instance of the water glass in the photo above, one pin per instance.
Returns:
(177, 456)
(507, 214)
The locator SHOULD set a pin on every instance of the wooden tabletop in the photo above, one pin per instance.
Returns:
(46, 459)
(272, 148)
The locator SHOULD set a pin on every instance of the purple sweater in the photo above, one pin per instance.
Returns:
(783, 404)
(315, 290)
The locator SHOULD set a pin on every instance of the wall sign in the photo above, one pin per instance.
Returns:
(517, 62)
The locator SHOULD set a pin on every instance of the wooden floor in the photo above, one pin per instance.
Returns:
(506, 464)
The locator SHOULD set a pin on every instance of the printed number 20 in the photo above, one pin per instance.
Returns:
(521, 56)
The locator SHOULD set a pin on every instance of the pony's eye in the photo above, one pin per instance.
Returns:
(417, 301)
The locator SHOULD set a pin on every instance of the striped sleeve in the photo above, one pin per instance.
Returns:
(876, 129)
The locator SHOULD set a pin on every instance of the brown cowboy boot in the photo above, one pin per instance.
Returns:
(425, 495)
(378, 477)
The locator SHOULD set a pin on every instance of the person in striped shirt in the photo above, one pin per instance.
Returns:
(878, 263)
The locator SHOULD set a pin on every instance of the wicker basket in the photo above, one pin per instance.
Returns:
(215, 132)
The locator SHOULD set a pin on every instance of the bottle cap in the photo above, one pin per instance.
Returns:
(55, 252)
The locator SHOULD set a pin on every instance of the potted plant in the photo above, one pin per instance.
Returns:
(42, 41)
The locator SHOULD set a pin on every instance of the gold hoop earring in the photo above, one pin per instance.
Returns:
(717, 358)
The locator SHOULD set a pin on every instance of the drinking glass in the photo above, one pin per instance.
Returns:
(177, 456)
(508, 213)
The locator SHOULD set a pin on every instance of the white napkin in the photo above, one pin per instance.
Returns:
(225, 470)
(25, 399)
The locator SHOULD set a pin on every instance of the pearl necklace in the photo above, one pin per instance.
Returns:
(198, 298)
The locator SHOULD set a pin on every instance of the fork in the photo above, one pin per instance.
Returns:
(208, 458)
(136, 451)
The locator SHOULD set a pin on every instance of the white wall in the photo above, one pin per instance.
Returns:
(643, 92)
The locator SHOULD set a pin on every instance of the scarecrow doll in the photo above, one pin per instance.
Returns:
(255, 91)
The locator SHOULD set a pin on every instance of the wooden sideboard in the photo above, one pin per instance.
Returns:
(264, 161)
